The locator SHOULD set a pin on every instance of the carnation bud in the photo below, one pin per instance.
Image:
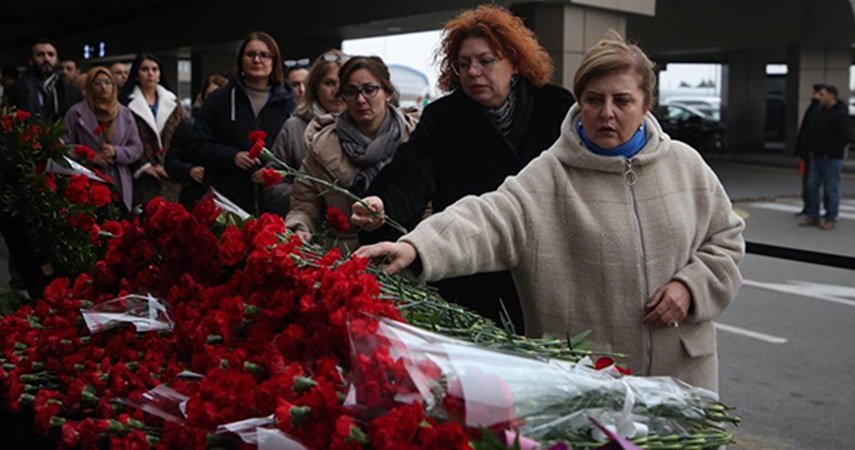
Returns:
(303, 384)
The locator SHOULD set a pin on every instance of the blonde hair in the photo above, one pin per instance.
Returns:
(332, 59)
(613, 54)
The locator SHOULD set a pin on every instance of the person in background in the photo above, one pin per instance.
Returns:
(42, 90)
(802, 149)
(255, 99)
(8, 78)
(69, 70)
(290, 146)
(108, 127)
(211, 84)
(157, 115)
(615, 229)
(43, 93)
(827, 140)
(501, 114)
(349, 149)
(120, 73)
(296, 72)
(182, 169)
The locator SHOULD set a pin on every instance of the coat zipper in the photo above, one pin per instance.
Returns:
(631, 178)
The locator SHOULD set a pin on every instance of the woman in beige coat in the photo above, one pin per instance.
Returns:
(616, 228)
(349, 149)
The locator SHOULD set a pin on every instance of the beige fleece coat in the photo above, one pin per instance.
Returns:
(326, 160)
(587, 248)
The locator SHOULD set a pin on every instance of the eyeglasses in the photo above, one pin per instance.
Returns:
(483, 65)
(252, 54)
(103, 82)
(350, 93)
(296, 63)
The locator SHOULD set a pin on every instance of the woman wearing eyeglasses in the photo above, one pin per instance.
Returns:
(290, 146)
(256, 98)
(103, 124)
(158, 115)
(349, 149)
(501, 114)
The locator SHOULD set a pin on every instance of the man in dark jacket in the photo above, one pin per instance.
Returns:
(827, 138)
(802, 149)
(42, 91)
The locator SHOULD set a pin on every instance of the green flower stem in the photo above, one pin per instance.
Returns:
(290, 171)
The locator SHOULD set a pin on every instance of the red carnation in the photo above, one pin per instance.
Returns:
(85, 152)
(605, 362)
(100, 129)
(21, 115)
(257, 135)
(337, 219)
(99, 195)
(256, 148)
(270, 177)
(77, 189)
(113, 227)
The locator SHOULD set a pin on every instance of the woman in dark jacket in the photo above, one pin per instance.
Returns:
(255, 98)
(501, 115)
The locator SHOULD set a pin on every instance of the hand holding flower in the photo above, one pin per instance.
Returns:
(157, 172)
(399, 254)
(197, 173)
(371, 217)
(244, 161)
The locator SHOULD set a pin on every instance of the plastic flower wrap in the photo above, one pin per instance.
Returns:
(542, 399)
(144, 312)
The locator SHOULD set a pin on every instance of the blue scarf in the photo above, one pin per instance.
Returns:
(628, 149)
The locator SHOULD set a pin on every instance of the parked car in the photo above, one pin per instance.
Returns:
(688, 124)
(710, 106)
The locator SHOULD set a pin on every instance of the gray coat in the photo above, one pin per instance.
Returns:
(290, 147)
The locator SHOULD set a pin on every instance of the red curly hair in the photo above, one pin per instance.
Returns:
(506, 35)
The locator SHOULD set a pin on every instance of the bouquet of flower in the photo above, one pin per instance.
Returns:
(53, 194)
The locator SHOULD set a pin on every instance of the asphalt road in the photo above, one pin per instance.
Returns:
(786, 343)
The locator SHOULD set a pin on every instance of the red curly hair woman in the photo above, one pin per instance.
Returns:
(502, 113)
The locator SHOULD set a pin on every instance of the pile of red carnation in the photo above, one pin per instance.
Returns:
(265, 324)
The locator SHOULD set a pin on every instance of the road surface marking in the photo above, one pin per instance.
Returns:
(795, 208)
(752, 334)
(827, 292)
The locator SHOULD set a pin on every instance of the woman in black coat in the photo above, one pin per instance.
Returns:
(255, 98)
(501, 115)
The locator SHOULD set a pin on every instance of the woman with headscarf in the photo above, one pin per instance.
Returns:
(158, 115)
(108, 127)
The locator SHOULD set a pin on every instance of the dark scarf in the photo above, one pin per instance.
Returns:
(369, 155)
(50, 98)
(503, 116)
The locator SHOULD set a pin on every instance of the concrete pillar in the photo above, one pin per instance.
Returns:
(169, 71)
(745, 92)
(810, 63)
(566, 31)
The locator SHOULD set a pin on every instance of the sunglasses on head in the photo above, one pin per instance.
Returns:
(332, 57)
(296, 63)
